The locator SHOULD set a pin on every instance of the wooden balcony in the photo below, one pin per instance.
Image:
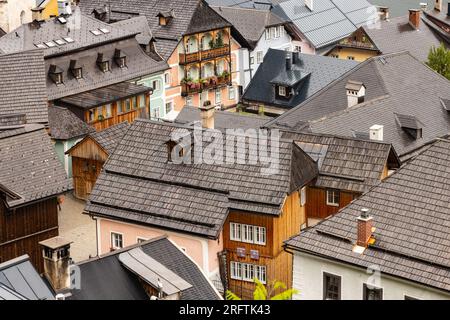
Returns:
(210, 83)
(186, 58)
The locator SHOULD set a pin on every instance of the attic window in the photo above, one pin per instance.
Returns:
(282, 91)
(120, 58)
(76, 69)
(56, 74)
(165, 17)
(410, 125)
(103, 62)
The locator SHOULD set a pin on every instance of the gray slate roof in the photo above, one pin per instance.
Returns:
(137, 25)
(398, 35)
(22, 86)
(250, 4)
(110, 137)
(19, 280)
(329, 21)
(222, 119)
(346, 163)
(322, 71)
(250, 23)
(106, 278)
(78, 28)
(411, 215)
(65, 125)
(139, 184)
(388, 91)
(190, 16)
(30, 166)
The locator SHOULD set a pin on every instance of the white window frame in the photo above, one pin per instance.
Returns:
(260, 273)
(247, 233)
(273, 32)
(235, 231)
(303, 196)
(167, 79)
(248, 272)
(282, 91)
(235, 270)
(113, 240)
(231, 93)
(171, 106)
(259, 57)
(277, 32)
(331, 193)
(218, 96)
(156, 85)
(260, 235)
(267, 34)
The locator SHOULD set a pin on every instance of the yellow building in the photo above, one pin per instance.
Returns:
(358, 46)
(46, 9)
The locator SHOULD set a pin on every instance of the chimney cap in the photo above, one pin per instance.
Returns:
(55, 243)
(354, 85)
(207, 107)
(364, 213)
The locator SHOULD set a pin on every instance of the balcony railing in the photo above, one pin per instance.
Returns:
(206, 84)
(186, 58)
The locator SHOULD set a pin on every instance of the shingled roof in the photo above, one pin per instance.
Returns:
(346, 163)
(222, 119)
(411, 216)
(139, 184)
(65, 125)
(109, 138)
(397, 34)
(317, 72)
(108, 278)
(388, 91)
(22, 86)
(30, 167)
(190, 16)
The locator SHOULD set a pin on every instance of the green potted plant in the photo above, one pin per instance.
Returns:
(219, 41)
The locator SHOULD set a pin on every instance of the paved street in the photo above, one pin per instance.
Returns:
(77, 227)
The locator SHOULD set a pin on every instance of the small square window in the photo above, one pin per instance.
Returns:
(116, 240)
(372, 293)
(333, 198)
(282, 91)
(259, 57)
(331, 287)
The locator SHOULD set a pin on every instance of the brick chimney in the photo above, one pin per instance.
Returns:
(207, 115)
(414, 18)
(365, 228)
(56, 253)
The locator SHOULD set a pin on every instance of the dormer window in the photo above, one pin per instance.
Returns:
(76, 69)
(120, 58)
(56, 74)
(165, 17)
(103, 63)
(282, 91)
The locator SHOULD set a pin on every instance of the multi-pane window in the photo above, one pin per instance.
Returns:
(142, 101)
(116, 240)
(108, 111)
(267, 34)
(331, 287)
(259, 57)
(155, 85)
(231, 93)
(169, 107)
(135, 102)
(91, 115)
(277, 32)
(127, 105)
(282, 91)
(218, 96)
(247, 272)
(372, 293)
(273, 32)
(333, 197)
(167, 79)
(248, 233)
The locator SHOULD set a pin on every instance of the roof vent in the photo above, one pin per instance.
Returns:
(376, 132)
(165, 17)
(384, 13)
(410, 124)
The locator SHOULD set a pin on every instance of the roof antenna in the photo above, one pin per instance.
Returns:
(17, 35)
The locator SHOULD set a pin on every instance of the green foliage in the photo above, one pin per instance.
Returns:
(219, 40)
(439, 60)
(266, 293)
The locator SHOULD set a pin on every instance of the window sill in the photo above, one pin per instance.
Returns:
(333, 204)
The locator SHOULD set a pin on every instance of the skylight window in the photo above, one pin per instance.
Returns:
(104, 30)
(50, 44)
(40, 46)
(62, 20)
(96, 32)
(60, 42)
(69, 40)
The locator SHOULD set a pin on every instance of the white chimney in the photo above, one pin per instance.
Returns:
(309, 4)
(423, 6)
(356, 93)
(384, 13)
(376, 132)
(438, 5)
(207, 115)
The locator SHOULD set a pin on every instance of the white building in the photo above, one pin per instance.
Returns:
(396, 249)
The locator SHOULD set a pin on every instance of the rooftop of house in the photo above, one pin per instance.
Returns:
(138, 182)
(22, 86)
(388, 91)
(250, 23)
(31, 169)
(307, 76)
(61, 35)
(19, 280)
(222, 119)
(249, 4)
(65, 125)
(329, 20)
(188, 17)
(398, 35)
(345, 163)
(109, 138)
(412, 219)
(118, 275)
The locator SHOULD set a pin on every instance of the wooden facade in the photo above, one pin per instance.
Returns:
(88, 158)
(278, 262)
(22, 229)
(316, 203)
